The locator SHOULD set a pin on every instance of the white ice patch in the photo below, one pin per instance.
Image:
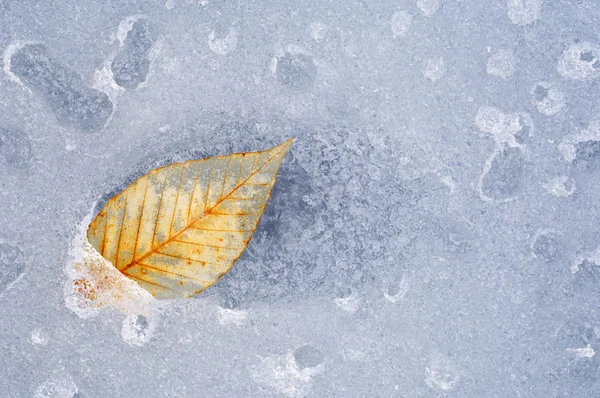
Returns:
(502, 64)
(567, 146)
(223, 45)
(233, 317)
(318, 31)
(137, 330)
(59, 387)
(170, 4)
(547, 98)
(502, 126)
(450, 183)
(282, 375)
(561, 186)
(434, 69)
(593, 258)
(579, 353)
(394, 293)
(124, 27)
(580, 61)
(39, 337)
(7, 57)
(93, 282)
(524, 12)
(349, 304)
(401, 23)
(428, 7)
(442, 374)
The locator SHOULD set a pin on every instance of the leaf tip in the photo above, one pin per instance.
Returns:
(286, 145)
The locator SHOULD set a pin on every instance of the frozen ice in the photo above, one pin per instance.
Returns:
(130, 66)
(73, 103)
(57, 387)
(15, 148)
(318, 31)
(433, 231)
(548, 99)
(580, 61)
(308, 356)
(296, 70)
(503, 176)
(39, 337)
(434, 69)
(12, 265)
(222, 41)
(524, 12)
(401, 22)
(548, 246)
(137, 330)
(511, 129)
(428, 7)
(442, 374)
(502, 64)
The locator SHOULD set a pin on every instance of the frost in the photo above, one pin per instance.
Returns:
(349, 303)
(394, 291)
(502, 64)
(442, 374)
(561, 186)
(93, 283)
(581, 61)
(137, 330)
(295, 69)
(39, 337)
(524, 12)
(283, 376)
(131, 65)
(59, 387)
(504, 127)
(222, 44)
(318, 31)
(586, 352)
(232, 317)
(547, 98)
(582, 146)
(434, 69)
(401, 23)
(428, 7)
(12, 265)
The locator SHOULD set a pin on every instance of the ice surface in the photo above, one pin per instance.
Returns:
(72, 102)
(432, 233)
(130, 65)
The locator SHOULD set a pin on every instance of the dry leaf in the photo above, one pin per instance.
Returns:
(180, 228)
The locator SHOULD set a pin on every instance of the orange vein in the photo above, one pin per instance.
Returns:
(121, 229)
(189, 259)
(187, 219)
(212, 168)
(225, 177)
(202, 244)
(104, 237)
(176, 200)
(162, 193)
(172, 273)
(137, 235)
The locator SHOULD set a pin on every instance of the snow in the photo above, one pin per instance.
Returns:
(432, 232)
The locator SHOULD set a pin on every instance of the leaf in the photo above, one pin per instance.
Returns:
(180, 228)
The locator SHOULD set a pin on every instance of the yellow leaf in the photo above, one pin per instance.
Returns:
(180, 228)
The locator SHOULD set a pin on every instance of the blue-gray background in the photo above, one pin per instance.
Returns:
(432, 233)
